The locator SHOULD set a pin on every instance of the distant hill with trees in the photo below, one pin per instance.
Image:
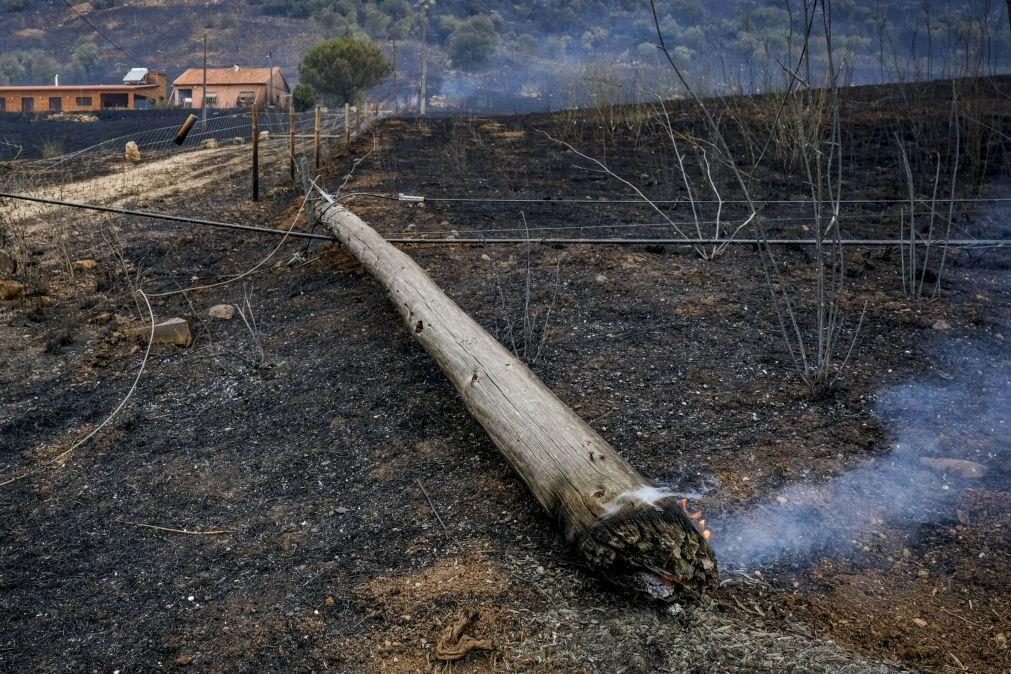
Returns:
(522, 47)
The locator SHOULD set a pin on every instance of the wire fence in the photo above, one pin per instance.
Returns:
(235, 129)
(44, 239)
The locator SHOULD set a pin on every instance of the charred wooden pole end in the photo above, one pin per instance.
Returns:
(607, 511)
(184, 130)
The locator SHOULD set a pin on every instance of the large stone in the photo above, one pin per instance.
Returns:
(85, 265)
(174, 331)
(225, 312)
(132, 152)
(11, 290)
(208, 144)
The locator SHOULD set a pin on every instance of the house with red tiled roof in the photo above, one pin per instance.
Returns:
(141, 89)
(235, 87)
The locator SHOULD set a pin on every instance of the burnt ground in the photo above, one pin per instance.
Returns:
(303, 467)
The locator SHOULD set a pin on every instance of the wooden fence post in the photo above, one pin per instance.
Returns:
(347, 124)
(291, 141)
(316, 137)
(184, 130)
(256, 153)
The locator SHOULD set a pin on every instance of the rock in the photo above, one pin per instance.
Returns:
(601, 278)
(484, 256)
(7, 263)
(238, 141)
(184, 660)
(85, 265)
(922, 573)
(208, 144)
(967, 469)
(132, 152)
(941, 324)
(224, 312)
(175, 331)
(11, 290)
(920, 622)
(330, 601)
(265, 135)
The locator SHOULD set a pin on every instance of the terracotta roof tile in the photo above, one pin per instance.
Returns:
(195, 76)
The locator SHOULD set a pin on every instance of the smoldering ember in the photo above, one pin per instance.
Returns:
(562, 336)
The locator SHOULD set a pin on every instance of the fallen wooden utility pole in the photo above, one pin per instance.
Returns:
(633, 534)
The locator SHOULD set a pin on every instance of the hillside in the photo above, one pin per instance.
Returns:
(569, 48)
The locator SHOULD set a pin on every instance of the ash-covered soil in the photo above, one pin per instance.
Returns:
(296, 447)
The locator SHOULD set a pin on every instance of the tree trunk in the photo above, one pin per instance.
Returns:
(633, 534)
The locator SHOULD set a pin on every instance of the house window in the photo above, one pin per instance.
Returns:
(83, 101)
(246, 99)
(212, 100)
(3, 105)
(184, 94)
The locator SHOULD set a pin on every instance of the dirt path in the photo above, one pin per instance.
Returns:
(146, 182)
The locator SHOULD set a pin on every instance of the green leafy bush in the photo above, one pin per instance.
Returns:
(303, 97)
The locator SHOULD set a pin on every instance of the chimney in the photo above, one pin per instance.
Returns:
(56, 80)
(236, 68)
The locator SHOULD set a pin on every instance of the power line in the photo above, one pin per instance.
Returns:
(640, 202)
(100, 32)
(164, 216)
(957, 243)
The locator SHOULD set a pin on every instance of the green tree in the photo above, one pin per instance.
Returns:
(86, 56)
(343, 67)
(303, 97)
(40, 67)
(11, 69)
(473, 43)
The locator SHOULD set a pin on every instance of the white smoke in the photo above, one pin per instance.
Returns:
(947, 432)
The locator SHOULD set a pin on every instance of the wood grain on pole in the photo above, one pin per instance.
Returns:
(617, 522)
(256, 153)
(316, 148)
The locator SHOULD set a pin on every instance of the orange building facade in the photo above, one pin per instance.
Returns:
(235, 87)
(150, 92)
